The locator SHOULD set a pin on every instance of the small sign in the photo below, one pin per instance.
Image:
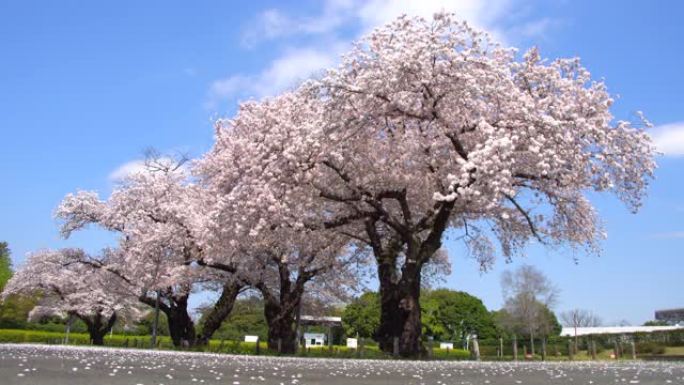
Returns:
(352, 343)
(446, 345)
(251, 338)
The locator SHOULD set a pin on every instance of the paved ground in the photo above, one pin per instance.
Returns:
(54, 365)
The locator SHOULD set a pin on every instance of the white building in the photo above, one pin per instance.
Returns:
(314, 339)
(585, 331)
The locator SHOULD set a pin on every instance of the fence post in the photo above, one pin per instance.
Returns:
(396, 347)
(543, 341)
(571, 352)
(633, 348)
(280, 345)
(593, 349)
(501, 351)
(257, 346)
(616, 349)
(430, 347)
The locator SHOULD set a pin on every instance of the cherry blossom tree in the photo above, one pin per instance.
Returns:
(283, 263)
(313, 267)
(159, 215)
(428, 125)
(67, 288)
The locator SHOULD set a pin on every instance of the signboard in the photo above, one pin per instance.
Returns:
(251, 338)
(352, 343)
(446, 345)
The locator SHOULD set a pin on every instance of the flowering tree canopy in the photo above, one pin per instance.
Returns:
(68, 288)
(159, 215)
(278, 259)
(429, 125)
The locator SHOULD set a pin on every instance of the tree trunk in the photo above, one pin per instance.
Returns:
(515, 348)
(400, 297)
(181, 326)
(219, 312)
(280, 317)
(532, 344)
(400, 310)
(98, 326)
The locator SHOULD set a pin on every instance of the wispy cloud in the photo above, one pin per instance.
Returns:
(275, 24)
(669, 138)
(500, 17)
(319, 42)
(482, 14)
(536, 28)
(669, 235)
(284, 72)
(126, 169)
(139, 166)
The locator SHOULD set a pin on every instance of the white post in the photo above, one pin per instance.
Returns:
(68, 329)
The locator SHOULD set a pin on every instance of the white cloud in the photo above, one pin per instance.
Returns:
(482, 14)
(535, 28)
(495, 16)
(284, 72)
(274, 24)
(320, 44)
(670, 235)
(126, 169)
(139, 166)
(669, 138)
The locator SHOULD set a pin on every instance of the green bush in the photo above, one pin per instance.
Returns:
(371, 351)
(650, 348)
(451, 354)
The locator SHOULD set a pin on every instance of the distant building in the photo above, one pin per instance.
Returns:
(308, 320)
(619, 330)
(671, 316)
(314, 339)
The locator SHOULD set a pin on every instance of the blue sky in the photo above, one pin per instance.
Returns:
(85, 87)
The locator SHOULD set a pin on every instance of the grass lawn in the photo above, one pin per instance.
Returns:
(674, 350)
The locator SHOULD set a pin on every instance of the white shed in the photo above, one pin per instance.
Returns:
(314, 339)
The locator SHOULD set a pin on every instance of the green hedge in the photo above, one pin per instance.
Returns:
(450, 354)
(48, 337)
(215, 346)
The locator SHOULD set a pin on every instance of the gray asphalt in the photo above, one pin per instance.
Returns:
(57, 365)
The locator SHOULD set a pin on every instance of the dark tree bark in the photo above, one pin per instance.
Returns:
(175, 307)
(400, 311)
(400, 316)
(280, 309)
(98, 326)
(281, 327)
(181, 325)
(219, 312)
